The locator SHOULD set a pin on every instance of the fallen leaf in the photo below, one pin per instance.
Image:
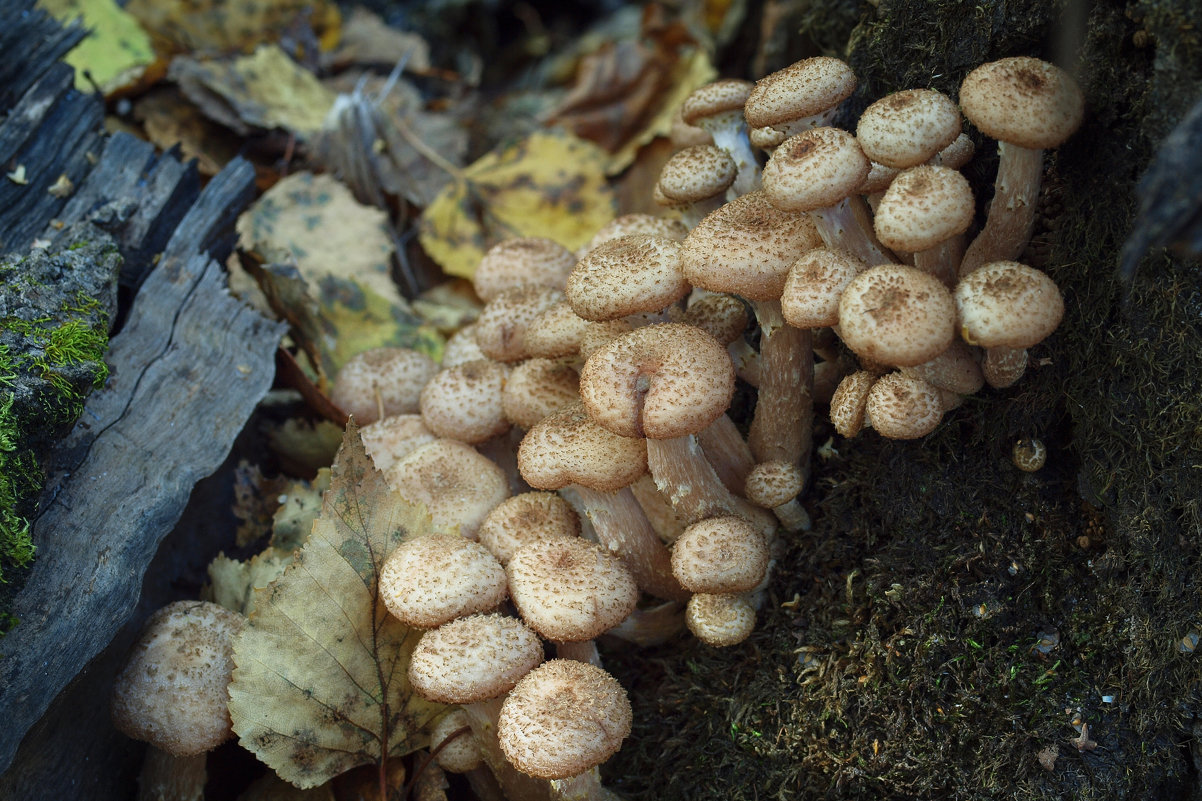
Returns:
(256, 499)
(320, 682)
(270, 787)
(367, 40)
(221, 26)
(263, 90)
(169, 120)
(232, 582)
(548, 184)
(115, 53)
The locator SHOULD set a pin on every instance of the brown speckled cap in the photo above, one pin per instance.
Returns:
(814, 286)
(556, 332)
(922, 207)
(659, 381)
(719, 555)
(456, 484)
(745, 247)
(906, 128)
(388, 377)
(537, 388)
(773, 483)
(696, 173)
(720, 620)
(628, 275)
(1023, 101)
(570, 448)
(724, 317)
(956, 370)
(803, 89)
(464, 402)
(473, 659)
(1007, 304)
(717, 97)
(501, 328)
(173, 690)
(904, 407)
(814, 169)
(570, 589)
(428, 581)
(848, 402)
(563, 718)
(525, 518)
(391, 439)
(635, 224)
(524, 260)
(896, 315)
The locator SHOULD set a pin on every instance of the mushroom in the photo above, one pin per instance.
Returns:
(501, 328)
(775, 485)
(464, 402)
(694, 181)
(519, 262)
(390, 439)
(634, 224)
(1028, 105)
(457, 485)
(717, 108)
(896, 315)
(924, 212)
(720, 555)
(625, 276)
(526, 518)
(431, 580)
(537, 388)
(902, 406)
(849, 403)
(801, 96)
(382, 382)
(906, 128)
(461, 347)
(455, 751)
(173, 690)
(724, 317)
(720, 620)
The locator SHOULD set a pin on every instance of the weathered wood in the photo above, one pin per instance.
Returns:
(186, 371)
(36, 41)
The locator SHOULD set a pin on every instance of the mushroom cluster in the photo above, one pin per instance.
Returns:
(574, 445)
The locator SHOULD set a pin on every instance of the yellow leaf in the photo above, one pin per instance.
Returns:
(320, 683)
(232, 583)
(224, 26)
(115, 53)
(548, 184)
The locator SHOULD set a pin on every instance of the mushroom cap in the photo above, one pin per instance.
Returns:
(896, 315)
(430, 580)
(461, 347)
(461, 754)
(906, 128)
(696, 173)
(537, 388)
(659, 381)
(958, 153)
(878, 179)
(523, 260)
(773, 483)
(923, 206)
(390, 439)
(563, 718)
(570, 589)
(849, 402)
(815, 284)
(501, 327)
(569, 447)
(464, 402)
(638, 223)
(1023, 101)
(173, 690)
(525, 518)
(720, 555)
(556, 332)
(745, 247)
(720, 619)
(631, 274)
(955, 370)
(457, 485)
(724, 317)
(397, 375)
(766, 138)
(717, 97)
(904, 407)
(803, 89)
(1007, 304)
(814, 169)
(473, 659)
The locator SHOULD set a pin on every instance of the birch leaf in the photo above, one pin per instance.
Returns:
(320, 683)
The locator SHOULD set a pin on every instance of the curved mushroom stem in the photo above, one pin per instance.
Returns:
(652, 626)
(1011, 212)
(847, 226)
(942, 260)
(728, 452)
(623, 529)
(682, 473)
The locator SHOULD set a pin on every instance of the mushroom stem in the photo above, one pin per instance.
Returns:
(1011, 215)
(682, 473)
(652, 626)
(583, 787)
(165, 777)
(733, 138)
(727, 451)
(482, 717)
(847, 226)
(941, 260)
(782, 429)
(581, 651)
(623, 529)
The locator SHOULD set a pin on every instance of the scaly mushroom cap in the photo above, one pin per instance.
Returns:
(428, 581)
(525, 518)
(696, 173)
(173, 690)
(629, 224)
(563, 718)
(464, 402)
(1007, 304)
(922, 207)
(1023, 101)
(849, 402)
(461, 348)
(896, 315)
(803, 89)
(537, 388)
(391, 439)
(955, 370)
(659, 381)
(773, 483)
(904, 407)
(389, 377)
(570, 589)
(501, 328)
(724, 317)
(906, 128)
(568, 447)
(717, 97)
(473, 659)
(632, 274)
(814, 169)
(720, 555)
(456, 484)
(525, 260)
(814, 286)
(720, 620)
(556, 332)
(461, 754)
(745, 247)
